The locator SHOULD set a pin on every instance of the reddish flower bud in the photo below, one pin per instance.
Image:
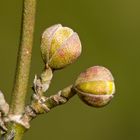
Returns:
(95, 86)
(60, 46)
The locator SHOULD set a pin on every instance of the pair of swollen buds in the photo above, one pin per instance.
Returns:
(61, 46)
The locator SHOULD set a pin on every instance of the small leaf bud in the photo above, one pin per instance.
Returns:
(60, 46)
(95, 86)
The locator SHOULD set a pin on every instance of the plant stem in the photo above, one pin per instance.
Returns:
(41, 104)
(24, 58)
(15, 130)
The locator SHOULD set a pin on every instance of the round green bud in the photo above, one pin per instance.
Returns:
(60, 46)
(95, 86)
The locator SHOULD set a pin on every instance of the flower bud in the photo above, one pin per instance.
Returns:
(60, 46)
(95, 86)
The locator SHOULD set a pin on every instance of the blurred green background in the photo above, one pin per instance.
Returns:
(110, 35)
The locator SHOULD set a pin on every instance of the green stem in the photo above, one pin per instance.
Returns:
(15, 130)
(24, 58)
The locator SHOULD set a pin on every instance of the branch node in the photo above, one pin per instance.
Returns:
(41, 84)
(19, 120)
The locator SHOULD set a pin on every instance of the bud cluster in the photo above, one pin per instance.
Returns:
(61, 46)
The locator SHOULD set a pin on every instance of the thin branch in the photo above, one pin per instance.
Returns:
(45, 104)
(15, 131)
(42, 104)
(24, 58)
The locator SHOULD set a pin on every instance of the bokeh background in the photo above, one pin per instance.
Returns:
(110, 35)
